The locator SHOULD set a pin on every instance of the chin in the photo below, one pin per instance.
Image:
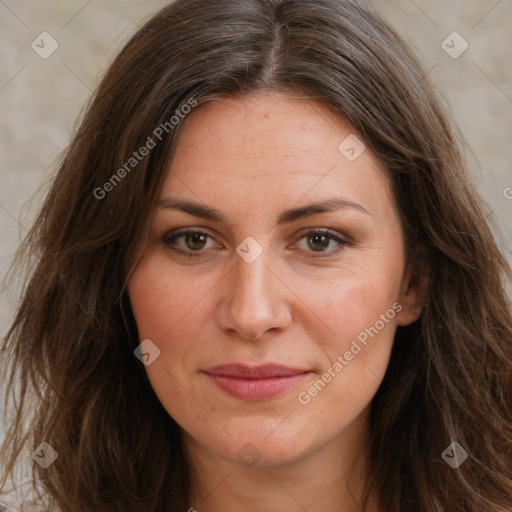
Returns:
(258, 446)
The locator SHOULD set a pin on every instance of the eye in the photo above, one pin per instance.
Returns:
(194, 241)
(320, 239)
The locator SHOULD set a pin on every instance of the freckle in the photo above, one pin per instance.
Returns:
(266, 115)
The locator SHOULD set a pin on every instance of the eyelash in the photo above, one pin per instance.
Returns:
(169, 238)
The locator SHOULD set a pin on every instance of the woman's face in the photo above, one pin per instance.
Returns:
(270, 279)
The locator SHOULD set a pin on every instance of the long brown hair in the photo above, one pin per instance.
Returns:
(68, 358)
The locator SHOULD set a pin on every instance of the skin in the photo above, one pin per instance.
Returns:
(251, 158)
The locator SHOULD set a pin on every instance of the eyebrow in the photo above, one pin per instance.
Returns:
(286, 217)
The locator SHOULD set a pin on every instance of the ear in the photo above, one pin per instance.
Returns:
(414, 287)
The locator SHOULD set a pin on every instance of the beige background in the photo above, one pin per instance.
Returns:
(40, 99)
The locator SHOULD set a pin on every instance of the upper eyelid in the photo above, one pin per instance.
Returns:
(205, 231)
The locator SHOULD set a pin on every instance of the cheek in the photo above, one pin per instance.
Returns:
(168, 307)
(352, 305)
(355, 357)
(164, 301)
(173, 307)
(360, 309)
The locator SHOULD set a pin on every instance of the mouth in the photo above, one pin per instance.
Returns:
(255, 383)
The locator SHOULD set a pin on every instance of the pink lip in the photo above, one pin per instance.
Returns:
(255, 383)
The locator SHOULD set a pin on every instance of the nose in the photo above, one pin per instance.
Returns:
(254, 299)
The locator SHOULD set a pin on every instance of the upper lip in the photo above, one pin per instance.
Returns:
(254, 372)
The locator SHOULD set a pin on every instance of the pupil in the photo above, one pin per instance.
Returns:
(316, 240)
(196, 238)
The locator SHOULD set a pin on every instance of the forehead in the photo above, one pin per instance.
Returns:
(273, 146)
(264, 124)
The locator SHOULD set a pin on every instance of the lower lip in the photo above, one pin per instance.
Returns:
(257, 389)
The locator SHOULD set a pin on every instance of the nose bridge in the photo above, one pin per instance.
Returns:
(251, 278)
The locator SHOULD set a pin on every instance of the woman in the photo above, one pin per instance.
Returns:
(264, 280)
